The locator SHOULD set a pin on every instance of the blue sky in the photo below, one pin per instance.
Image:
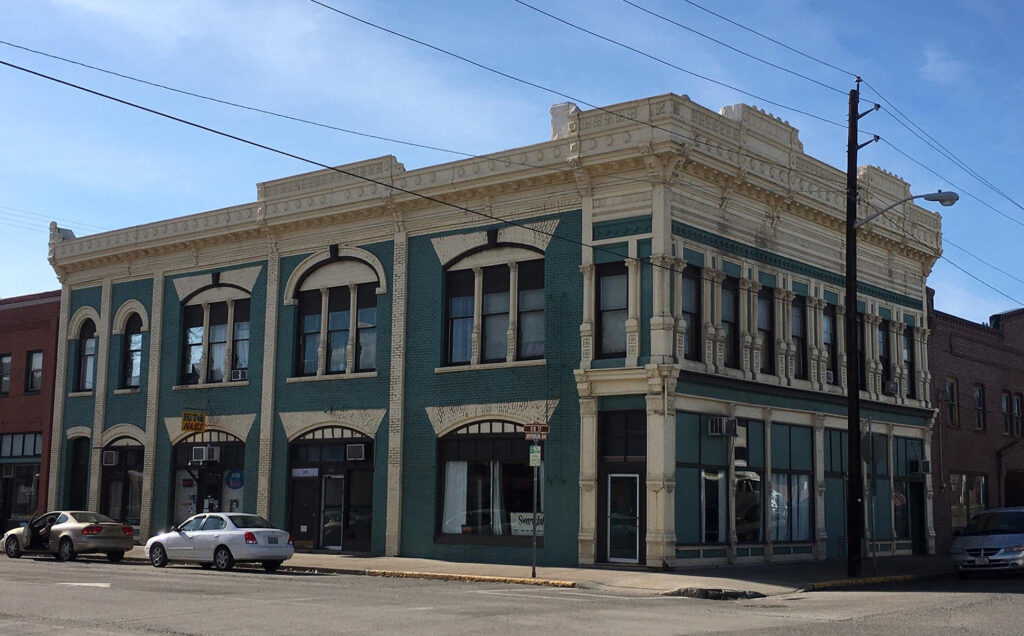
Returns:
(90, 164)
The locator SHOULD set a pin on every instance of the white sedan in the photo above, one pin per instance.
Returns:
(220, 540)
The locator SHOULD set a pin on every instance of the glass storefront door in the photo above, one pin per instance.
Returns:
(624, 518)
(333, 511)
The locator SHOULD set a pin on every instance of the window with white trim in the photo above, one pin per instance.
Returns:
(5, 374)
(328, 318)
(209, 338)
(612, 309)
(131, 362)
(87, 343)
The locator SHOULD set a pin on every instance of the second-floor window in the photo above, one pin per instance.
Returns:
(531, 310)
(766, 328)
(1017, 399)
(211, 330)
(829, 336)
(460, 291)
(34, 375)
(979, 407)
(132, 360)
(952, 411)
(344, 319)
(612, 309)
(1007, 418)
(5, 374)
(496, 305)
(909, 371)
(730, 321)
(798, 324)
(884, 357)
(87, 342)
(691, 312)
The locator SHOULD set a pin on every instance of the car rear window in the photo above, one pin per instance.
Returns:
(249, 521)
(91, 517)
(996, 523)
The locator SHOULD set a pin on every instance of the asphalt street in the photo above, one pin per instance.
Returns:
(95, 597)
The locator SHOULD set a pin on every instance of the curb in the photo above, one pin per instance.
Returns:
(869, 580)
(714, 593)
(401, 574)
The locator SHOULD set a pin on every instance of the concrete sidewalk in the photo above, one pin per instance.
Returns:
(703, 582)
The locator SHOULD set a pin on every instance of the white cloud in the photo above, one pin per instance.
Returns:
(940, 68)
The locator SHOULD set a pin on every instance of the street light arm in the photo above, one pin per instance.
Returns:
(944, 198)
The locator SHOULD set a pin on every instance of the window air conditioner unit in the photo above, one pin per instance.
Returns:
(830, 377)
(922, 466)
(890, 387)
(205, 454)
(722, 426)
(237, 375)
(355, 452)
(110, 458)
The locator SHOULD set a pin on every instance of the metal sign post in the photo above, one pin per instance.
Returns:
(535, 432)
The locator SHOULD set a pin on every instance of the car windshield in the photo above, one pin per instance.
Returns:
(996, 523)
(91, 517)
(249, 521)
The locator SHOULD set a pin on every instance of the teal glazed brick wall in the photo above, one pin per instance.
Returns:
(336, 395)
(127, 408)
(218, 400)
(424, 387)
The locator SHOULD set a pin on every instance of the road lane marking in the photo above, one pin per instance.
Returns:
(85, 584)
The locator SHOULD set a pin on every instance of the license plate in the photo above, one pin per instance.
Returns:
(274, 541)
(981, 561)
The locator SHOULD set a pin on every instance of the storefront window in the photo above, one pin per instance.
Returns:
(748, 456)
(121, 481)
(486, 481)
(792, 475)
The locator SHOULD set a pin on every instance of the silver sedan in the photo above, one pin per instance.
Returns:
(68, 533)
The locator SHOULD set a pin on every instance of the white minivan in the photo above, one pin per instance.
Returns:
(992, 540)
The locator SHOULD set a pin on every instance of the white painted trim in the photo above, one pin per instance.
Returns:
(491, 365)
(208, 385)
(365, 421)
(446, 419)
(123, 430)
(125, 311)
(322, 258)
(330, 377)
(79, 317)
(77, 431)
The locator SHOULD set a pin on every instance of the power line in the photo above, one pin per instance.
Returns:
(349, 131)
(1001, 293)
(564, 95)
(675, 66)
(16, 212)
(771, 39)
(733, 48)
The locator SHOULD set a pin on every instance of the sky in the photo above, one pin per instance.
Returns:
(951, 75)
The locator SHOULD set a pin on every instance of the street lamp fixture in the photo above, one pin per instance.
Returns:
(944, 198)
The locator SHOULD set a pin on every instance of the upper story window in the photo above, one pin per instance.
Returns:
(531, 310)
(87, 342)
(692, 312)
(909, 368)
(884, 356)
(131, 364)
(730, 321)
(212, 331)
(1017, 399)
(952, 411)
(21, 445)
(798, 336)
(979, 407)
(612, 309)
(829, 339)
(336, 320)
(460, 293)
(34, 372)
(1007, 418)
(495, 308)
(5, 374)
(766, 328)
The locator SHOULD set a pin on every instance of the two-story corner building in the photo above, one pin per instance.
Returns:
(28, 349)
(978, 387)
(659, 283)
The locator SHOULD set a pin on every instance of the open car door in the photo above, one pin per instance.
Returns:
(29, 534)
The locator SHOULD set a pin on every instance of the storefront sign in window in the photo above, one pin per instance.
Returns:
(193, 421)
(522, 523)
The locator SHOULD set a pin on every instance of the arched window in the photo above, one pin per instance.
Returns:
(216, 336)
(121, 481)
(486, 481)
(131, 364)
(87, 342)
(497, 294)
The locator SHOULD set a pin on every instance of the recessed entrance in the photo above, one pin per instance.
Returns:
(623, 518)
(209, 471)
(622, 469)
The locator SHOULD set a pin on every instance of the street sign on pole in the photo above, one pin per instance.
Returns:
(535, 428)
(535, 455)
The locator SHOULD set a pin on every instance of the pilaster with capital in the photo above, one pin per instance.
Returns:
(268, 381)
(929, 512)
(677, 310)
(787, 352)
(924, 373)
(156, 327)
(633, 312)
(587, 326)
(746, 325)
(874, 366)
(816, 347)
(478, 313)
(57, 441)
(512, 335)
(898, 372)
(662, 320)
(714, 335)
(587, 538)
(661, 464)
(841, 347)
(756, 342)
(820, 532)
(100, 393)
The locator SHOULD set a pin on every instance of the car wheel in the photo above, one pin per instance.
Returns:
(222, 559)
(12, 548)
(66, 550)
(158, 555)
(271, 566)
(114, 557)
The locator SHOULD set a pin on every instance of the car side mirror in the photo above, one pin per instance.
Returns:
(172, 529)
(957, 532)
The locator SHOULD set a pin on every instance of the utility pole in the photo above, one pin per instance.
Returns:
(855, 482)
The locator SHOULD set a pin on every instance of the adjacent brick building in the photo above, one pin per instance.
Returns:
(978, 385)
(28, 347)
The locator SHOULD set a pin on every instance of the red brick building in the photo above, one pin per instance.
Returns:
(978, 387)
(28, 347)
